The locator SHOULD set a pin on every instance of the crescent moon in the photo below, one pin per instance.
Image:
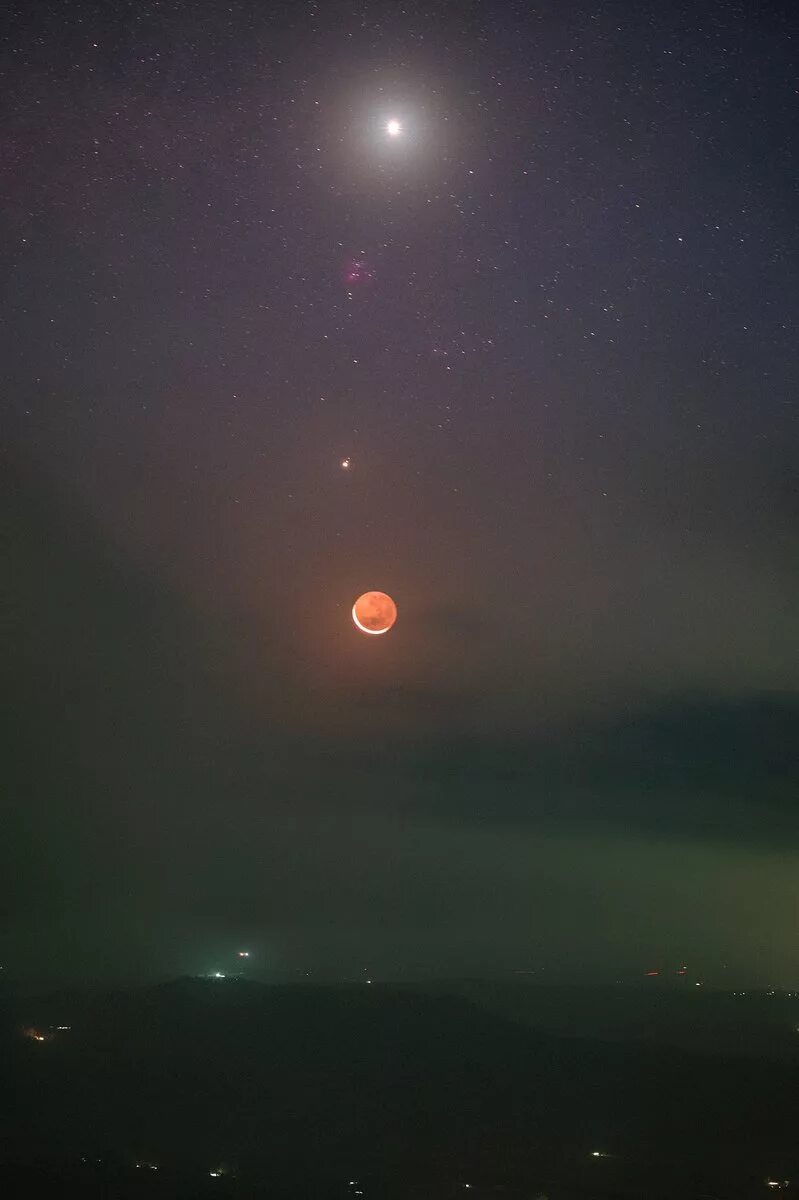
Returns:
(374, 632)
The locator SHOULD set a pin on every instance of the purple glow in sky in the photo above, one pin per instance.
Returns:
(357, 272)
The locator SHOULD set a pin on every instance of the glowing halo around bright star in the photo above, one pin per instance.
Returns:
(393, 127)
(374, 613)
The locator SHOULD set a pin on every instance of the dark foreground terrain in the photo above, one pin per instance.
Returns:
(345, 1091)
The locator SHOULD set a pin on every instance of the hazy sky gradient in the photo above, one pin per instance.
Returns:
(565, 376)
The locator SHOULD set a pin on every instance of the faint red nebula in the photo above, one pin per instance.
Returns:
(357, 273)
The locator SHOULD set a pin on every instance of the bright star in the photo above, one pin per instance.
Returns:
(393, 128)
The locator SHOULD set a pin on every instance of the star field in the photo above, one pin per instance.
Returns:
(490, 306)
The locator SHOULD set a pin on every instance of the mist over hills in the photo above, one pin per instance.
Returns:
(302, 1089)
(750, 1022)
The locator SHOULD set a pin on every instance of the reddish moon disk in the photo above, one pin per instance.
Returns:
(374, 612)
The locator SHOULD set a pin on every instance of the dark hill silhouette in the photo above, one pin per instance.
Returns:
(307, 1087)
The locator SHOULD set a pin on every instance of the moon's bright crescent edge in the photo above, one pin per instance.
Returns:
(374, 632)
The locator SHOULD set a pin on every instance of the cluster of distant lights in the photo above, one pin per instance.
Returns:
(223, 974)
(36, 1036)
(774, 1185)
(773, 992)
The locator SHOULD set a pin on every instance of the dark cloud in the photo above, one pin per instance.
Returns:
(709, 766)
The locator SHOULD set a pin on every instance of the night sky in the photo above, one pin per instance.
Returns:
(551, 329)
